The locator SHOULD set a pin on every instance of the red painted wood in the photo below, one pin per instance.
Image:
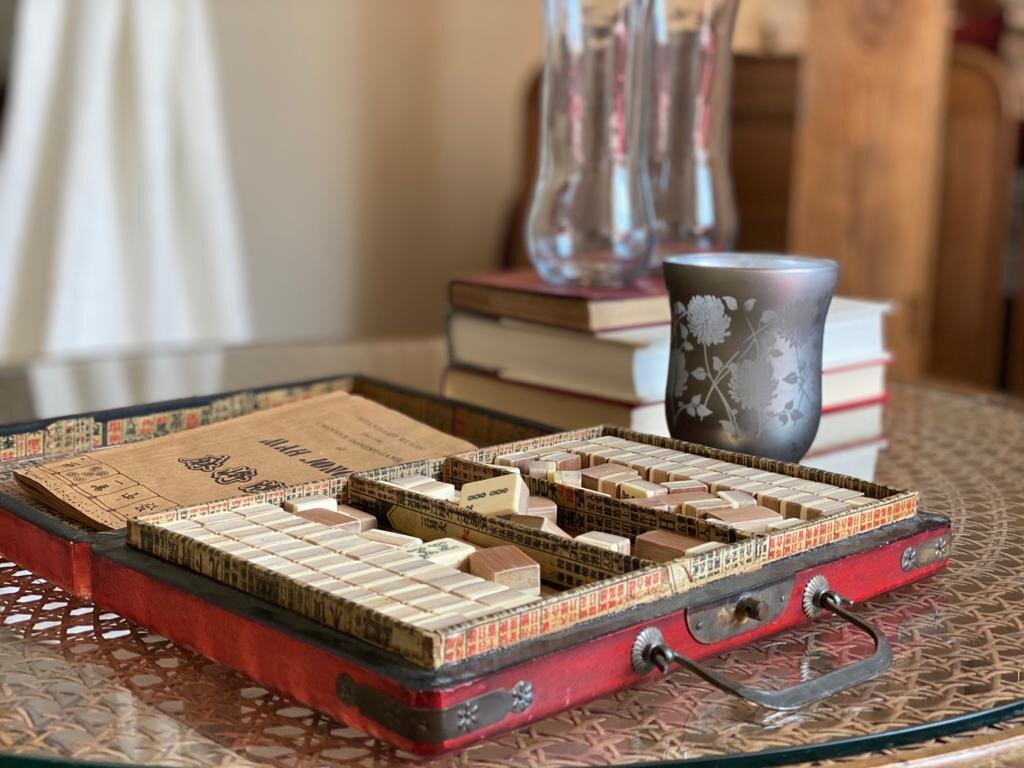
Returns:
(64, 562)
(560, 680)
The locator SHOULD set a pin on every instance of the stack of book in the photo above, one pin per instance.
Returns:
(573, 357)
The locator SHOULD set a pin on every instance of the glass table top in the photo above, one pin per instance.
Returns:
(78, 682)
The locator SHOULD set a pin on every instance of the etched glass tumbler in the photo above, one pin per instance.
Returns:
(745, 362)
(689, 94)
(589, 221)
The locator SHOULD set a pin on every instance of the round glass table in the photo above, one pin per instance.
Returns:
(81, 683)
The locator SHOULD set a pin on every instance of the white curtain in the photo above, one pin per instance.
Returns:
(118, 222)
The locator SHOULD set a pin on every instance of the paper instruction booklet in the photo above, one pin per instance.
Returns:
(324, 437)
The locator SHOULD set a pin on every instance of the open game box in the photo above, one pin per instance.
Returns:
(416, 651)
(59, 549)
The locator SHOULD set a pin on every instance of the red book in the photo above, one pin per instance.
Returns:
(522, 295)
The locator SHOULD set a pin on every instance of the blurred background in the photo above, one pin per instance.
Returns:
(202, 195)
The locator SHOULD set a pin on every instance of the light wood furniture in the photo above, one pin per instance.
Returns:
(868, 140)
(969, 307)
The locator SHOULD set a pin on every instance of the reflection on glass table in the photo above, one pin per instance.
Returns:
(78, 682)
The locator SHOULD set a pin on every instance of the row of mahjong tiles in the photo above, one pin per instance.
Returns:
(508, 497)
(684, 483)
(339, 550)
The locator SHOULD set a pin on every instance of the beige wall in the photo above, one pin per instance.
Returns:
(375, 145)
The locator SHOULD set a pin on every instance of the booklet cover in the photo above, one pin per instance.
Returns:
(324, 437)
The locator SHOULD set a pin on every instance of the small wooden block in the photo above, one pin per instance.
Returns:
(541, 506)
(508, 566)
(449, 552)
(699, 508)
(591, 475)
(732, 515)
(822, 507)
(685, 486)
(478, 589)
(311, 502)
(611, 441)
(538, 524)
(392, 538)
(604, 540)
(641, 489)
(410, 481)
(570, 477)
(738, 498)
(773, 499)
(504, 495)
(659, 472)
(332, 519)
(435, 489)
(790, 506)
(537, 470)
(610, 483)
(366, 520)
(517, 460)
(562, 460)
(642, 465)
(661, 545)
(601, 456)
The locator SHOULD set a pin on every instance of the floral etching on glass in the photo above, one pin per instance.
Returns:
(766, 382)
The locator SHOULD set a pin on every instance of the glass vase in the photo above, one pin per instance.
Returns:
(689, 97)
(589, 220)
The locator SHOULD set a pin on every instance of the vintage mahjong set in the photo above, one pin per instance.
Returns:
(60, 550)
(453, 611)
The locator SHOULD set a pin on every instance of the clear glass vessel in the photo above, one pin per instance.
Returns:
(689, 99)
(589, 221)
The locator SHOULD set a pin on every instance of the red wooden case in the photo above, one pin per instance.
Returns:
(429, 711)
(443, 692)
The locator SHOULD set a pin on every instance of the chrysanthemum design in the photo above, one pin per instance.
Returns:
(753, 384)
(766, 376)
(707, 320)
(796, 321)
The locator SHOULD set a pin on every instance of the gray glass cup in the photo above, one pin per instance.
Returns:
(745, 365)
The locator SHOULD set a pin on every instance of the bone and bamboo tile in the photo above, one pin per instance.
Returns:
(541, 506)
(538, 524)
(738, 498)
(685, 486)
(570, 477)
(609, 484)
(311, 502)
(590, 476)
(700, 508)
(449, 552)
(497, 496)
(561, 460)
(508, 566)
(518, 460)
(661, 545)
(392, 538)
(409, 482)
(640, 489)
(604, 540)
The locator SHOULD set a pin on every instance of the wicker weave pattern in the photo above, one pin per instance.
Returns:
(957, 637)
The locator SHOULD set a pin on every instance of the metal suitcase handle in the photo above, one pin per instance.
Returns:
(650, 650)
